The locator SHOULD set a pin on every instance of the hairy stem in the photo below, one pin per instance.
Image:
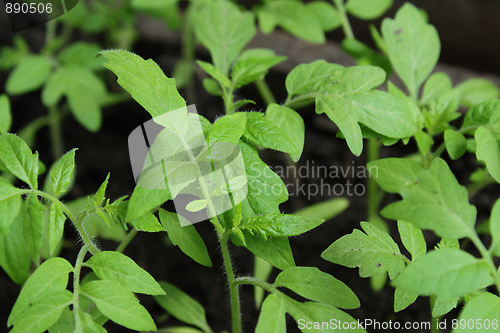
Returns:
(123, 244)
(233, 287)
(256, 282)
(76, 285)
(77, 222)
(265, 92)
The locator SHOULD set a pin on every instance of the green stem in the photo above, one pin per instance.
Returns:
(77, 222)
(123, 244)
(476, 187)
(373, 193)
(76, 286)
(55, 132)
(50, 32)
(228, 99)
(233, 287)
(346, 26)
(300, 101)
(487, 258)
(256, 282)
(265, 92)
(439, 151)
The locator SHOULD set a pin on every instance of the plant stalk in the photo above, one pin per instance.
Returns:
(76, 285)
(55, 132)
(487, 258)
(233, 287)
(373, 193)
(265, 92)
(346, 26)
(123, 244)
(77, 222)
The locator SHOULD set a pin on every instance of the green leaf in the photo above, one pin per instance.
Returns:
(266, 190)
(145, 199)
(374, 252)
(280, 225)
(100, 195)
(5, 113)
(211, 87)
(119, 305)
(262, 269)
(347, 99)
(317, 313)
(14, 256)
(424, 142)
(32, 219)
(432, 199)
(485, 113)
(56, 225)
(484, 309)
(294, 17)
(413, 46)
(84, 91)
(226, 37)
(252, 65)
(367, 9)
(65, 323)
(272, 316)
(120, 269)
(182, 306)
(495, 228)
(403, 299)
(328, 16)
(215, 73)
(436, 85)
(413, 239)
(488, 150)
(145, 81)
(264, 132)
(10, 202)
(147, 222)
(304, 78)
(311, 283)
(18, 158)
(325, 210)
(88, 325)
(44, 312)
(441, 308)
(29, 74)
(364, 54)
(447, 273)
(477, 90)
(275, 251)
(81, 54)
(50, 276)
(63, 172)
(456, 143)
(227, 129)
(186, 237)
(291, 123)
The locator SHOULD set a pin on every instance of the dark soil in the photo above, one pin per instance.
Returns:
(107, 151)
